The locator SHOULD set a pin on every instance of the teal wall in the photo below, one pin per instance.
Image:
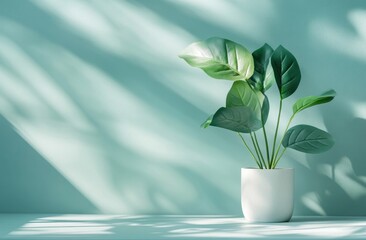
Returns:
(98, 115)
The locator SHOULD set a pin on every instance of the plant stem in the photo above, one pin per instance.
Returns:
(255, 148)
(260, 156)
(279, 146)
(259, 148)
(250, 151)
(276, 132)
(278, 159)
(263, 127)
(266, 141)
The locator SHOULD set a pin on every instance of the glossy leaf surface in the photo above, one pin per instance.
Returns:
(220, 58)
(306, 102)
(242, 94)
(308, 139)
(286, 71)
(263, 77)
(238, 119)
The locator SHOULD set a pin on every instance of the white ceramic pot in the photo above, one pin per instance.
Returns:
(267, 195)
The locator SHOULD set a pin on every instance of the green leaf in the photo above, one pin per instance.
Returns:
(308, 139)
(310, 101)
(265, 109)
(286, 71)
(242, 94)
(207, 123)
(220, 58)
(262, 78)
(238, 119)
(269, 78)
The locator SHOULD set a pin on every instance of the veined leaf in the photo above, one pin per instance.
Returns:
(286, 71)
(242, 94)
(220, 58)
(310, 101)
(308, 139)
(238, 119)
(262, 78)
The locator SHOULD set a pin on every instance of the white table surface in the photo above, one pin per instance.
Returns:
(56, 226)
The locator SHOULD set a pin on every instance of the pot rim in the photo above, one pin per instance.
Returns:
(265, 169)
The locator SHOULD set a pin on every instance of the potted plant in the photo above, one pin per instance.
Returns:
(266, 191)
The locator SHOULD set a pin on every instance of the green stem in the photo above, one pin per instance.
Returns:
(276, 132)
(255, 148)
(250, 151)
(259, 148)
(279, 146)
(266, 141)
(264, 129)
(278, 159)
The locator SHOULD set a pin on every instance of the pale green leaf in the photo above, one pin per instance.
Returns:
(220, 58)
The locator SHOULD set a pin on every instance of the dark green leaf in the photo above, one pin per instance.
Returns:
(220, 58)
(310, 101)
(262, 78)
(265, 109)
(286, 71)
(308, 139)
(238, 119)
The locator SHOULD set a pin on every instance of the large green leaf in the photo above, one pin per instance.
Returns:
(308, 139)
(220, 58)
(310, 101)
(238, 119)
(286, 71)
(242, 94)
(262, 78)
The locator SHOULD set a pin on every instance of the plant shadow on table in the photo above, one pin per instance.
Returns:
(179, 227)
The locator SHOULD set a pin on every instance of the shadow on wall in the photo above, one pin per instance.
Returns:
(124, 159)
(29, 184)
(102, 95)
(334, 183)
(344, 168)
(328, 182)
